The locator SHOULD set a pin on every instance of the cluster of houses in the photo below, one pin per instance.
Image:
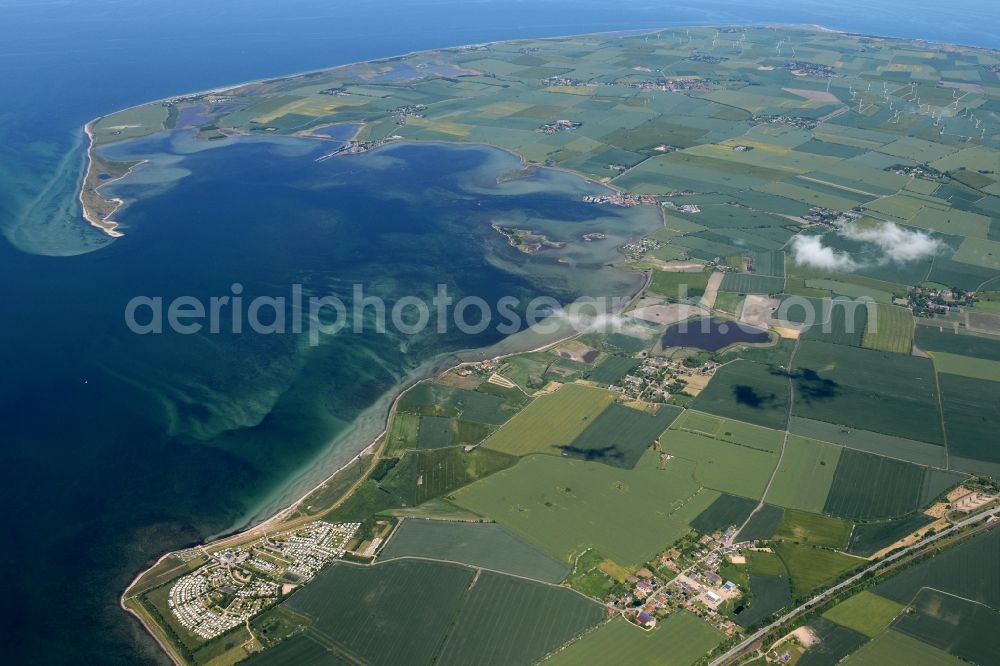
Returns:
(409, 111)
(931, 301)
(308, 550)
(481, 368)
(685, 577)
(708, 59)
(656, 378)
(829, 217)
(692, 84)
(809, 69)
(560, 126)
(639, 248)
(563, 81)
(797, 122)
(917, 171)
(197, 600)
(239, 583)
(621, 199)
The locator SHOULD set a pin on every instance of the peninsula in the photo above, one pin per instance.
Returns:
(814, 490)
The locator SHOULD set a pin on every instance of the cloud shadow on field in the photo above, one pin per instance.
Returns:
(608, 454)
(749, 396)
(811, 386)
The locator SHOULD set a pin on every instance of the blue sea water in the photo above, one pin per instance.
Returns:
(115, 447)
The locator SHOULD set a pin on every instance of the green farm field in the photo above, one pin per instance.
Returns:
(352, 608)
(811, 568)
(620, 435)
(805, 474)
(837, 321)
(865, 612)
(910, 450)
(869, 538)
(970, 570)
(679, 286)
(813, 529)
(972, 419)
(436, 399)
(727, 510)
(959, 627)
(402, 433)
(499, 607)
(732, 431)
(836, 642)
(613, 368)
(869, 487)
(424, 475)
(551, 421)
(966, 366)
(870, 390)
(434, 432)
(677, 641)
(350, 604)
(722, 466)
(296, 650)
(770, 593)
(762, 524)
(484, 545)
(850, 289)
(933, 339)
(889, 328)
(745, 283)
(747, 391)
(893, 647)
(566, 506)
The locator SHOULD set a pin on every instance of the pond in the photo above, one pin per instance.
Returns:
(711, 334)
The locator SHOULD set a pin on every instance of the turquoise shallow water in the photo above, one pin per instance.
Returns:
(124, 444)
(115, 447)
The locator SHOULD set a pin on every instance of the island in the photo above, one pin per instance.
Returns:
(526, 240)
(784, 447)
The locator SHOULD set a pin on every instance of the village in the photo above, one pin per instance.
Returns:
(931, 301)
(238, 583)
(657, 378)
(559, 126)
(797, 122)
(621, 199)
(686, 84)
(685, 577)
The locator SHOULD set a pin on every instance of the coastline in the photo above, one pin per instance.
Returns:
(103, 220)
(106, 223)
(109, 227)
(371, 446)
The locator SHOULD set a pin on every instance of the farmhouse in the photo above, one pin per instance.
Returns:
(646, 620)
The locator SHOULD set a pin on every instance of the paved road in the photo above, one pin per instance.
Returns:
(740, 648)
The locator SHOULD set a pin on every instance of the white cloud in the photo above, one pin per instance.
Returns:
(893, 242)
(899, 245)
(810, 251)
(584, 321)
